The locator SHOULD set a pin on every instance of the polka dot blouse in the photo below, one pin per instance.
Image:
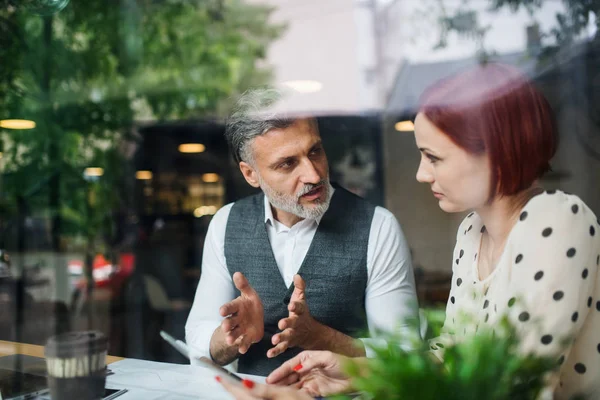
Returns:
(546, 282)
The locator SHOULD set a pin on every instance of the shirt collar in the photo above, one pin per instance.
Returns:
(269, 218)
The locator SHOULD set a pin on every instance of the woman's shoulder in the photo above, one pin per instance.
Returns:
(555, 211)
(557, 203)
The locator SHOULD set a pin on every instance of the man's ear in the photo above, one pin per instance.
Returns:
(250, 174)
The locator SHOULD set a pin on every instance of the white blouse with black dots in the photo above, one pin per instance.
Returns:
(546, 282)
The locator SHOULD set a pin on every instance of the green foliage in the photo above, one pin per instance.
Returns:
(86, 73)
(484, 366)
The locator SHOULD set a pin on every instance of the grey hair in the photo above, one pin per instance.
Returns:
(253, 116)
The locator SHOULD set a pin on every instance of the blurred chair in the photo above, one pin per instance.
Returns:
(42, 319)
(146, 309)
(26, 320)
(173, 314)
(157, 295)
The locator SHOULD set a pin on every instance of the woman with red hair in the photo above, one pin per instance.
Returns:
(486, 137)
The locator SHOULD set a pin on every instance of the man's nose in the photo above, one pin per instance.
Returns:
(309, 173)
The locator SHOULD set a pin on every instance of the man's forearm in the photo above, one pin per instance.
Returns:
(327, 338)
(220, 351)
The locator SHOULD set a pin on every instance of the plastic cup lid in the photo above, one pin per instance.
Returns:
(76, 344)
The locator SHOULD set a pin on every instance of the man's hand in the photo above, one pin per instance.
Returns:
(244, 322)
(299, 327)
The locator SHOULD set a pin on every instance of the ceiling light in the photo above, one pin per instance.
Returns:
(93, 171)
(405, 126)
(304, 86)
(143, 175)
(17, 124)
(210, 178)
(205, 210)
(191, 148)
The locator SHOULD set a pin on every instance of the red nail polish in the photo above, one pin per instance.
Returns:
(298, 367)
(248, 383)
(218, 379)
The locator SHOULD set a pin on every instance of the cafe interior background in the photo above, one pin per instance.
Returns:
(113, 156)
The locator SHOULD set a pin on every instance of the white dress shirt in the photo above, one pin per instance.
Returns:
(390, 295)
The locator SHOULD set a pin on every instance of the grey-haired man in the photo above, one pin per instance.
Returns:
(303, 265)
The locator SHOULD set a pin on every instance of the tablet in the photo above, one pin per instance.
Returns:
(206, 362)
(109, 394)
(16, 385)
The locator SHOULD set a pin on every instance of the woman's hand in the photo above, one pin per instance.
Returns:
(249, 390)
(318, 373)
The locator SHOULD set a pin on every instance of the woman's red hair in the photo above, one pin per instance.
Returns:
(493, 109)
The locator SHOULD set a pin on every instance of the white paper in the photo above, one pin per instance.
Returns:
(153, 380)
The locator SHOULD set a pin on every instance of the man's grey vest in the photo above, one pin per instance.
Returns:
(334, 269)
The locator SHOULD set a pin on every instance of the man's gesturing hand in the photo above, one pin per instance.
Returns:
(299, 327)
(244, 322)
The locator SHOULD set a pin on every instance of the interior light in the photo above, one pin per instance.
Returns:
(205, 210)
(405, 126)
(191, 148)
(143, 175)
(210, 178)
(93, 171)
(17, 124)
(304, 86)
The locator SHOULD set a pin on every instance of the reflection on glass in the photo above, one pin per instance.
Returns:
(134, 96)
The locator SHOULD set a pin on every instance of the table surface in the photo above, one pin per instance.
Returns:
(146, 380)
(10, 348)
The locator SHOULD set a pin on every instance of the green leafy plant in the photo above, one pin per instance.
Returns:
(486, 365)
(86, 74)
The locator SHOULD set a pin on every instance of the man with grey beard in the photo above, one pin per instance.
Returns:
(302, 265)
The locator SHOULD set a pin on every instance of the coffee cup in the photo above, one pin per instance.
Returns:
(76, 364)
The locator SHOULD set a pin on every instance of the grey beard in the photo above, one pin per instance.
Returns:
(291, 205)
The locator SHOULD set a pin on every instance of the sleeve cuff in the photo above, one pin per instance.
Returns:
(199, 344)
(198, 339)
(369, 343)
